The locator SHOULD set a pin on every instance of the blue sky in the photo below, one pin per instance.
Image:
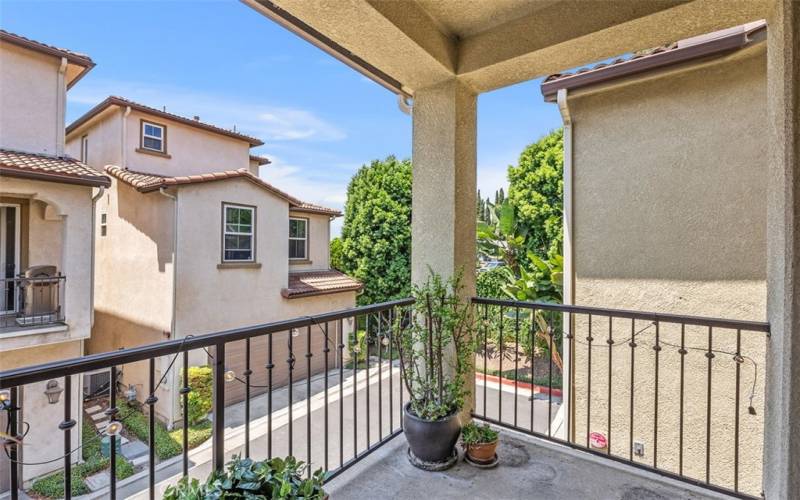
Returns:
(223, 61)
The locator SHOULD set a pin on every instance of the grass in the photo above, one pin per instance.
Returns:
(52, 486)
(168, 443)
(509, 375)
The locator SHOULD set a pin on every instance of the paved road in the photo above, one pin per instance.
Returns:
(345, 433)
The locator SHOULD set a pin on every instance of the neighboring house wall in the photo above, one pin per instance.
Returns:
(319, 237)
(29, 99)
(669, 216)
(190, 150)
(104, 140)
(133, 276)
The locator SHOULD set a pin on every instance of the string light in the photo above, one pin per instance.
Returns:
(230, 376)
(113, 428)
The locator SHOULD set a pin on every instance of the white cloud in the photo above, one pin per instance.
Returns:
(264, 121)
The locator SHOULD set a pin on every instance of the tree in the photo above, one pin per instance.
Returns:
(536, 191)
(336, 250)
(376, 236)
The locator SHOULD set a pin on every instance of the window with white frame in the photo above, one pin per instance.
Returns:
(238, 233)
(154, 137)
(85, 149)
(298, 238)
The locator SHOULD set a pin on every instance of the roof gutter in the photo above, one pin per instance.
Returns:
(717, 46)
(314, 37)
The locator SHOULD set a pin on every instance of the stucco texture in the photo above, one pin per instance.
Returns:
(669, 216)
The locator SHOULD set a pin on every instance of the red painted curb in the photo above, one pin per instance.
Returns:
(525, 385)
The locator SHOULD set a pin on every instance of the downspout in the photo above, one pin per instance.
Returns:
(173, 321)
(569, 270)
(61, 111)
(123, 155)
(93, 252)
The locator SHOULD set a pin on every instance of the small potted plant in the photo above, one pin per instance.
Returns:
(245, 478)
(434, 343)
(480, 444)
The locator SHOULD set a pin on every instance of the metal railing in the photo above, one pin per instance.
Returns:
(674, 382)
(349, 431)
(31, 302)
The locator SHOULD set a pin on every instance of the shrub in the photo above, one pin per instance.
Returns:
(198, 434)
(244, 478)
(200, 396)
(490, 283)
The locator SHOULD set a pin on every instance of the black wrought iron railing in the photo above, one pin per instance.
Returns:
(349, 419)
(31, 302)
(679, 395)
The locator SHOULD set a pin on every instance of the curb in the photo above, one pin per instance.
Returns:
(525, 385)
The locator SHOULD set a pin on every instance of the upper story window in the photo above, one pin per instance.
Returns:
(298, 238)
(85, 149)
(238, 233)
(103, 224)
(154, 137)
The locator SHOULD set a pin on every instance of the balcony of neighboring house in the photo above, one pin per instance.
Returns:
(32, 301)
(576, 393)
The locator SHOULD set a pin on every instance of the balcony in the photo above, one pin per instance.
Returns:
(32, 302)
(562, 434)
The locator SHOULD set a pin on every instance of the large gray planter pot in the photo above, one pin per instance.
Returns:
(432, 443)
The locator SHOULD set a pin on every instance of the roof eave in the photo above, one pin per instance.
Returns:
(100, 181)
(717, 46)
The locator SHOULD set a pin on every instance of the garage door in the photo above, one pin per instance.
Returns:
(235, 359)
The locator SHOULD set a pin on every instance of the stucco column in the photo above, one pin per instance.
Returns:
(444, 187)
(782, 416)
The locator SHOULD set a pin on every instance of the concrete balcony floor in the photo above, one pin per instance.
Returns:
(529, 469)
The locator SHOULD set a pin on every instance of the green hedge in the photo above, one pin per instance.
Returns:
(200, 397)
(52, 486)
(138, 424)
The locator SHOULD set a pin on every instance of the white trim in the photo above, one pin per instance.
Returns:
(569, 257)
(296, 238)
(145, 135)
(251, 234)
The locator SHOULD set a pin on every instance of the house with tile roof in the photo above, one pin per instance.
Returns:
(664, 210)
(191, 241)
(47, 199)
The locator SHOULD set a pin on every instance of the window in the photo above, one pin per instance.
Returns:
(85, 149)
(298, 239)
(103, 225)
(154, 137)
(238, 234)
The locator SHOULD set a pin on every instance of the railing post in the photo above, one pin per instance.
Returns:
(218, 430)
(13, 451)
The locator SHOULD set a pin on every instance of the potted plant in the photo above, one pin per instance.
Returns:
(480, 444)
(434, 343)
(245, 478)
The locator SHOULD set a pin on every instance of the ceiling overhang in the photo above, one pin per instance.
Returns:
(406, 45)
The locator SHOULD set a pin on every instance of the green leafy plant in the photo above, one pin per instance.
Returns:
(473, 433)
(138, 424)
(200, 395)
(434, 344)
(248, 479)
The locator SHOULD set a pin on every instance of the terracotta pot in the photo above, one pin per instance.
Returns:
(482, 452)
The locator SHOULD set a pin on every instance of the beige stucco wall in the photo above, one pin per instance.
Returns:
(104, 138)
(669, 216)
(29, 99)
(319, 237)
(60, 234)
(192, 150)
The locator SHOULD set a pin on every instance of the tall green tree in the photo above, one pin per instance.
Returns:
(536, 190)
(376, 236)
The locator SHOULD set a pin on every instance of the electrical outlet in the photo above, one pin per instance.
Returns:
(638, 448)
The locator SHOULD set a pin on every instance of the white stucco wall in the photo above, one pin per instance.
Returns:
(104, 138)
(29, 100)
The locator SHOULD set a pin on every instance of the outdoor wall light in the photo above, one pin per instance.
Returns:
(53, 391)
(230, 376)
(113, 428)
(5, 399)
